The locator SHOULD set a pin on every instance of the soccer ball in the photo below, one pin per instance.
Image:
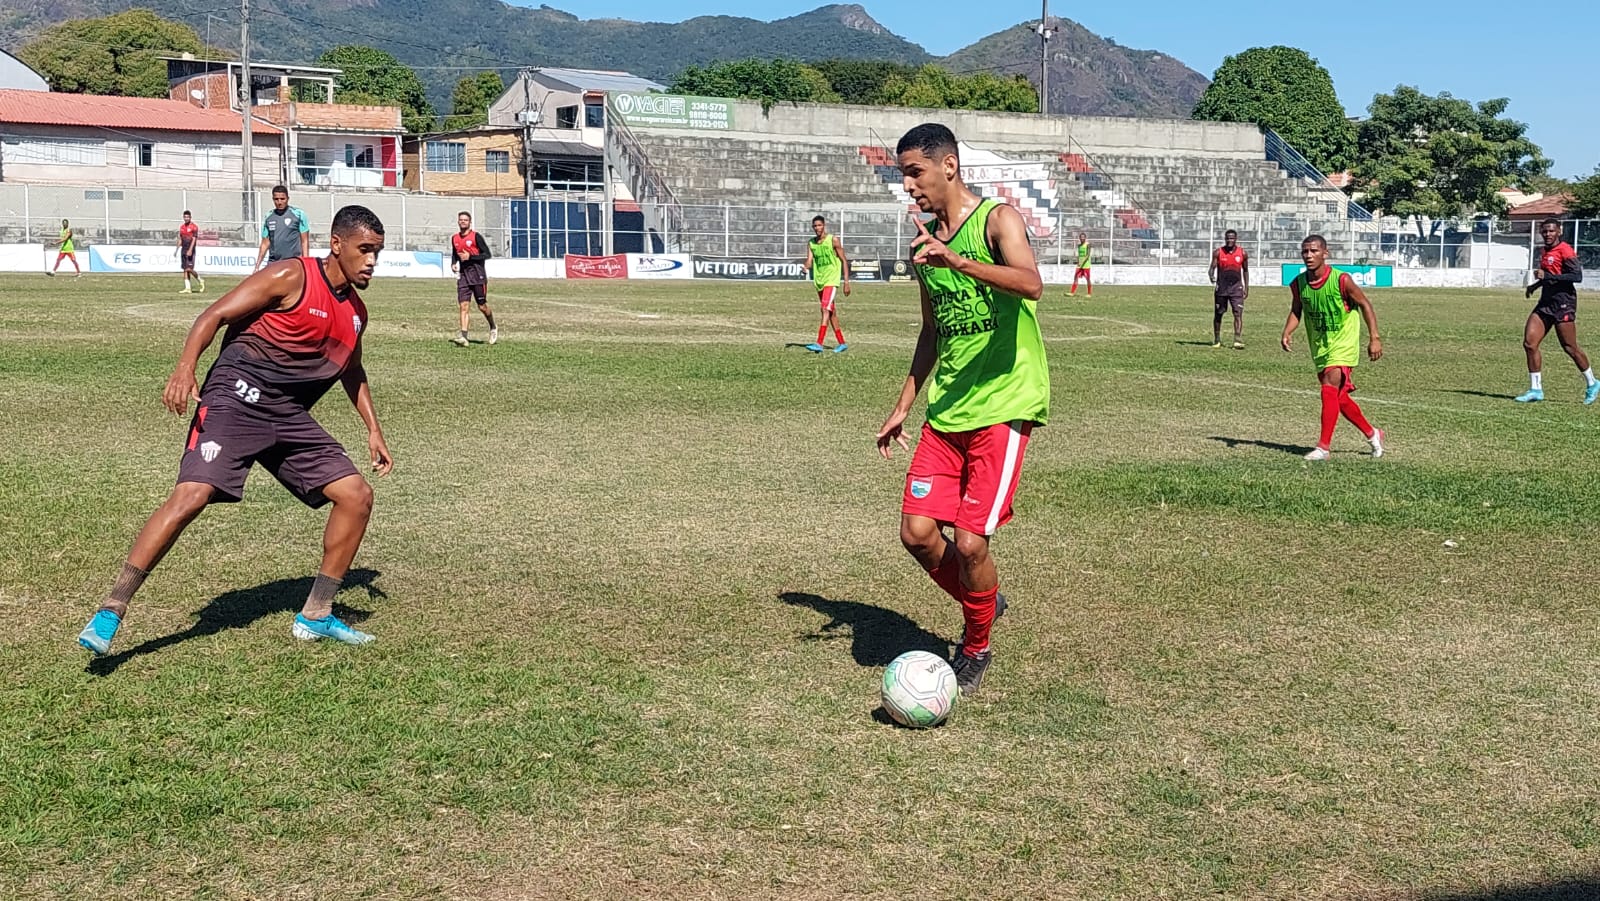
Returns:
(919, 689)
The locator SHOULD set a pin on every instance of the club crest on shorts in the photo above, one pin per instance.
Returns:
(209, 451)
(920, 488)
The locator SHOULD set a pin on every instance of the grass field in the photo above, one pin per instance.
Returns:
(636, 574)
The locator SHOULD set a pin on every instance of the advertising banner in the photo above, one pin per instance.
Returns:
(672, 111)
(242, 260)
(769, 270)
(660, 265)
(613, 266)
(896, 270)
(1364, 276)
(866, 271)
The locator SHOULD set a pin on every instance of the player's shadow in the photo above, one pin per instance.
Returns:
(878, 635)
(239, 608)
(1582, 888)
(1235, 443)
(1193, 343)
(787, 345)
(1489, 394)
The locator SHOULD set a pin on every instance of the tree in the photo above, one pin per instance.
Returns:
(861, 80)
(369, 75)
(769, 81)
(118, 55)
(935, 88)
(1441, 157)
(1283, 89)
(469, 105)
(1586, 197)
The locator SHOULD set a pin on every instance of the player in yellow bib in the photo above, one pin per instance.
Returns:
(1084, 258)
(980, 344)
(830, 270)
(68, 252)
(1332, 306)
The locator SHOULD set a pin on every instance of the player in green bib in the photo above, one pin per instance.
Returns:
(980, 345)
(1082, 272)
(829, 267)
(67, 252)
(1332, 306)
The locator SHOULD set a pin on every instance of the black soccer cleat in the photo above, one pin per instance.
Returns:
(970, 670)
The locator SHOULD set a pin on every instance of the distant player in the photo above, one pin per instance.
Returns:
(1083, 267)
(293, 331)
(68, 251)
(285, 233)
(188, 243)
(1556, 279)
(1327, 301)
(830, 270)
(1230, 272)
(468, 259)
(981, 344)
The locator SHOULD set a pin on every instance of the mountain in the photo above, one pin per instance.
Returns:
(1089, 75)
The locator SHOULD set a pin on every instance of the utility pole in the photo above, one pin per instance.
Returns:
(528, 118)
(1045, 33)
(245, 99)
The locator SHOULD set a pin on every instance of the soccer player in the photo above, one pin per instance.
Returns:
(467, 255)
(293, 331)
(980, 343)
(830, 269)
(1230, 272)
(188, 241)
(1083, 267)
(286, 233)
(68, 251)
(1327, 301)
(1556, 279)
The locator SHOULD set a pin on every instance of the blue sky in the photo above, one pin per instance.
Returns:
(1475, 49)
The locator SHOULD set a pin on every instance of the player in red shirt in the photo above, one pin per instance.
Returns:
(469, 257)
(293, 331)
(1230, 272)
(188, 241)
(1556, 280)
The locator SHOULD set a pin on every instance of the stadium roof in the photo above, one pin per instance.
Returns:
(95, 111)
(598, 80)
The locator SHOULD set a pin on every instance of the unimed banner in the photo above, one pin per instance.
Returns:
(660, 265)
(242, 260)
(613, 266)
(770, 270)
(1364, 276)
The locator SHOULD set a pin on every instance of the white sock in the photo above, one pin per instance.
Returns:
(186, 283)
(1588, 376)
(1538, 380)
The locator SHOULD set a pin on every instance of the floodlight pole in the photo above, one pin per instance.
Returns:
(245, 99)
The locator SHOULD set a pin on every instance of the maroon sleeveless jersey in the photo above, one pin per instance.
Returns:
(287, 359)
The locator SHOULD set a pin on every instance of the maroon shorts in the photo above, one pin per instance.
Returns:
(966, 479)
(466, 292)
(1225, 301)
(226, 437)
(1556, 312)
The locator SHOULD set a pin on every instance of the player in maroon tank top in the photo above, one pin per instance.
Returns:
(1230, 272)
(293, 331)
(1556, 279)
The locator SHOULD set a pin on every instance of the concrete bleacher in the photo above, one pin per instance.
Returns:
(752, 194)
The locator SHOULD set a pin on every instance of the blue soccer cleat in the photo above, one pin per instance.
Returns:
(1590, 393)
(96, 637)
(329, 626)
(815, 348)
(843, 347)
(1531, 396)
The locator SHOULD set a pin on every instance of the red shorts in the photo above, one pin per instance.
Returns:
(1347, 383)
(967, 479)
(1081, 273)
(825, 297)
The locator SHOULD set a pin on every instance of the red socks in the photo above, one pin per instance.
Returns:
(838, 335)
(822, 333)
(977, 611)
(1330, 415)
(1347, 406)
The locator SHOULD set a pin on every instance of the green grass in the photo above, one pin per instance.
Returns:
(637, 571)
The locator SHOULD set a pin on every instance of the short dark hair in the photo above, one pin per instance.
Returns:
(352, 217)
(934, 140)
(187, 213)
(464, 213)
(1230, 232)
(1544, 222)
(816, 219)
(280, 189)
(1315, 239)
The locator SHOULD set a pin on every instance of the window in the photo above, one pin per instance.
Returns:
(567, 116)
(567, 175)
(208, 157)
(594, 115)
(141, 154)
(446, 156)
(54, 151)
(358, 156)
(307, 165)
(497, 161)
